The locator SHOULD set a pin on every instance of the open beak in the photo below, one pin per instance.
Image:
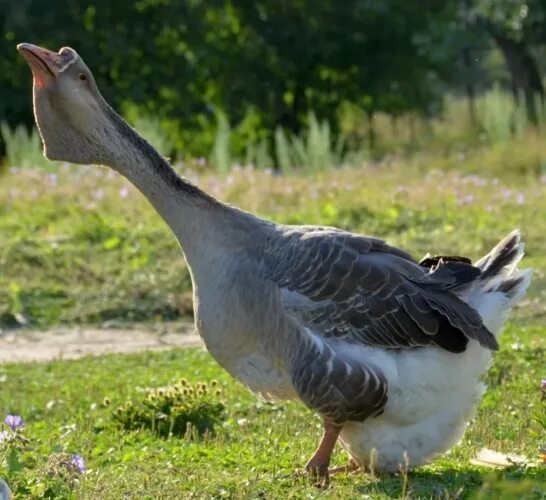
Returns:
(45, 65)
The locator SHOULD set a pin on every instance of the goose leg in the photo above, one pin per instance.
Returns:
(318, 465)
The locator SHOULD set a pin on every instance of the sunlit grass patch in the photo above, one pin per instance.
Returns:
(258, 448)
(80, 245)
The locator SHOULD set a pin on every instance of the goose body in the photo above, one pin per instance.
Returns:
(422, 395)
(389, 352)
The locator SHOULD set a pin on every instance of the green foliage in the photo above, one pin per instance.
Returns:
(313, 150)
(185, 62)
(23, 147)
(176, 410)
(265, 66)
(501, 116)
(60, 478)
(82, 246)
(521, 20)
(221, 155)
(496, 486)
(283, 150)
(150, 128)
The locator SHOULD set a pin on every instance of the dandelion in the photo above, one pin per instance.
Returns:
(77, 463)
(14, 422)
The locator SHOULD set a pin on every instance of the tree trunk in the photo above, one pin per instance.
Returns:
(523, 71)
(470, 89)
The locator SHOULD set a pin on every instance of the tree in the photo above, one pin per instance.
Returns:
(515, 25)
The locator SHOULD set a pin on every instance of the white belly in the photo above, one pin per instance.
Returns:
(259, 375)
(432, 396)
(256, 371)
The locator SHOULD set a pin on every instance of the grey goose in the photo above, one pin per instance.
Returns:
(389, 352)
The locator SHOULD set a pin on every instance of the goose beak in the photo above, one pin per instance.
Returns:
(45, 65)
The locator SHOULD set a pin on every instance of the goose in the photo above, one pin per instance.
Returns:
(5, 492)
(389, 352)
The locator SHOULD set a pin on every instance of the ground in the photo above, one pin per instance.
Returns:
(80, 247)
(71, 343)
(258, 449)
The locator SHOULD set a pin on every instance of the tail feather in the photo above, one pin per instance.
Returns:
(501, 285)
(515, 287)
(506, 254)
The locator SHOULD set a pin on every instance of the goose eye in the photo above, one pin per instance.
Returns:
(82, 77)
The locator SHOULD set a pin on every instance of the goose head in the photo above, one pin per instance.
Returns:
(74, 120)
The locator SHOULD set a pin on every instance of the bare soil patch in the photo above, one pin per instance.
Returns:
(74, 342)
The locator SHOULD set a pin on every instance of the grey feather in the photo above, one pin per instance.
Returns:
(364, 291)
(339, 389)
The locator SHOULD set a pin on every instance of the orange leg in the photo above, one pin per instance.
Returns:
(318, 465)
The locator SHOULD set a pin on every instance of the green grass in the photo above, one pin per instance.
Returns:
(257, 450)
(82, 246)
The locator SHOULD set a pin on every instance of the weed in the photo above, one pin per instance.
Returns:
(176, 410)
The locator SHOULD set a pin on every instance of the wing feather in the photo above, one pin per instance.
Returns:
(365, 291)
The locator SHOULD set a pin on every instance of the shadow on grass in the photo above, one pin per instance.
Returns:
(513, 483)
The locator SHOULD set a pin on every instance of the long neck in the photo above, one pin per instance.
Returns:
(201, 223)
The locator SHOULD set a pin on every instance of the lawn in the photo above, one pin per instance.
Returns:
(79, 245)
(258, 448)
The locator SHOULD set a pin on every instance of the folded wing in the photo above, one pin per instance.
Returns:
(364, 291)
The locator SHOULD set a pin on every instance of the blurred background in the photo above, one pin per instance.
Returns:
(264, 82)
(423, 122)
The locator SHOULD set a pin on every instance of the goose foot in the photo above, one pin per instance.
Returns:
(352, 466)
(317, 467)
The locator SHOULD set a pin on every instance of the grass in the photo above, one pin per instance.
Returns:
(79, 245)
(255, 452)
(82, 246)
